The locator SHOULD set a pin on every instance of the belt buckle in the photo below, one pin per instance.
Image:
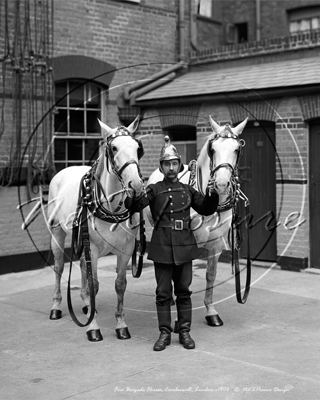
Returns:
(178, 225)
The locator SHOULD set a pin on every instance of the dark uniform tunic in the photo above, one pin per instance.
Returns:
(172, 240)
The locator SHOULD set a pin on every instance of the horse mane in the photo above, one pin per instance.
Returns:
(100, 159)
(203, 161)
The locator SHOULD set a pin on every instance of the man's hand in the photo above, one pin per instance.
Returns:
(210, 187)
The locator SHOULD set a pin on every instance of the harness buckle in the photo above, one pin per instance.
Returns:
(178, 225)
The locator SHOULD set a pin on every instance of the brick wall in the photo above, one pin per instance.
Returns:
(13, 240)
(137, 39)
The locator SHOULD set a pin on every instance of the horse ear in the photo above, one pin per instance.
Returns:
(107, 128)
(134, 125)
(239, 128)
(216, 127)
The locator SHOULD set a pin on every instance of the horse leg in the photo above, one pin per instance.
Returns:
(212, 317)
(57, 246)
(122, 330)
(93, 331)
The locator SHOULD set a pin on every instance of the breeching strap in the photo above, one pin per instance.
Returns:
(235, 258)
(85, 247)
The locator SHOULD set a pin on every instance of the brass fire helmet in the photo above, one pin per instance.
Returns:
(168, 152)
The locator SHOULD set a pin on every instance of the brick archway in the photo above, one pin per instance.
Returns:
(260, 110)
(82, 67)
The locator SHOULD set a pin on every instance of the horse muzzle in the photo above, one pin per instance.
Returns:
(222, 188)
(135, 190)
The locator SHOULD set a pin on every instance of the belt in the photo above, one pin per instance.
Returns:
(177, 224)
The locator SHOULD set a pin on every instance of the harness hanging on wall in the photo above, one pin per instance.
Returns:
(27, 95)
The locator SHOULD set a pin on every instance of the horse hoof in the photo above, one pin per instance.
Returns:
(85, 310)
(176, 327)
(55, 314)
(94, 335)
(214, 320)
(123, 333)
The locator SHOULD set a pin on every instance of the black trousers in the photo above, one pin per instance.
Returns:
(180, 275)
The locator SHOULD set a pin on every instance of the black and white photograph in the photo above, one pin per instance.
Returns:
(160, 199)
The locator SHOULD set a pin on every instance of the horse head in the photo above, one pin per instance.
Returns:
(122, 154)
(224, 149)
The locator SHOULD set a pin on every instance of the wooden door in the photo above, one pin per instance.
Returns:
(257, 172)
(314, 192)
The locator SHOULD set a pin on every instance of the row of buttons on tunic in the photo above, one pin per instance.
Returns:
(171, 204)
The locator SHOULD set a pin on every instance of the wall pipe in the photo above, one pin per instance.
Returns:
(137, 85)
(258, 20)
(181, 28)
(151, 86)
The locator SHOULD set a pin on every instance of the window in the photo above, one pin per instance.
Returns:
(209, 9)
(237, 33)
(77, 131)
(205, 8)
(184, 138)
(304, 19)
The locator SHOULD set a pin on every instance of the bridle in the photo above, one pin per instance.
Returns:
(122, 131)
(234, 188)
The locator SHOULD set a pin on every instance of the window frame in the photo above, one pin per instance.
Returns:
(67, 135)
(299, 15)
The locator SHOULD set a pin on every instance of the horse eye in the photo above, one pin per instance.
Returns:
(114, 149)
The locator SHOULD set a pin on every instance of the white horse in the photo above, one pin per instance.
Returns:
(218, 158)
(115, 175)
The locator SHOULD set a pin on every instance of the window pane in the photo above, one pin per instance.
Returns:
(76, 94)
(205, 8)
(60, 94)
(91, 149)
(315, 23)
(294, 27)
(92, 122)
(76, 122)
(305, 25)
(74, 149)
(59, 166)
(74, 164)
(93, 96)
(59, 149)
(61, 121)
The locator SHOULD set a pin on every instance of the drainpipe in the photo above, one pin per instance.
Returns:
(128, 90)
(154, 85)
(258, 20)
(181, 28)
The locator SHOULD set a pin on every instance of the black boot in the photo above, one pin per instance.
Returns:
(184, 324)
(186, 340)
(163, 341)
(164, 321)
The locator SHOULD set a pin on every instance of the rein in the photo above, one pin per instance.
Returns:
(236, 242)
(140, 249)
(81, 243)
